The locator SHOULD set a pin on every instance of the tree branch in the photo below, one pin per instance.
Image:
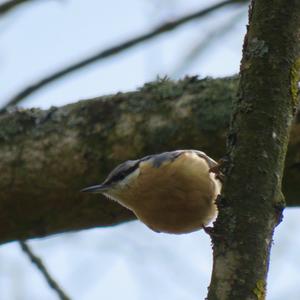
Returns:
(47, 156)
(200, 46)
(251, 204)
(41, 267)
(9, 5)
(115, 50)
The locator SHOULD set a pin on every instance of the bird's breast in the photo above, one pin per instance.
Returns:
(177, 197)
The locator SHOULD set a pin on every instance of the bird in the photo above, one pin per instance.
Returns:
(172, 192)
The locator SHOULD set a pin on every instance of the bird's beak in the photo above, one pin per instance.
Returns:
(95, 188)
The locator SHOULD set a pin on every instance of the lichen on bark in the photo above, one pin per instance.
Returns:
(47, 156)
(251, 203)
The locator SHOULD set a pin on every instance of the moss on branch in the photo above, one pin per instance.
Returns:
(47, 156)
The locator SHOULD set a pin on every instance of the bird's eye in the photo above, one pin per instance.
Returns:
(122, 174)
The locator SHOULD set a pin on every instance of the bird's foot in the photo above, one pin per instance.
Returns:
(217, 170)
(208, 230)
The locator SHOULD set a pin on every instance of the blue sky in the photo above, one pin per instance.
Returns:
(42, 37)
(128, 261)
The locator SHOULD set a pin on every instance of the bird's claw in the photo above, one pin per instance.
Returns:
(217, 170)
(208, 230)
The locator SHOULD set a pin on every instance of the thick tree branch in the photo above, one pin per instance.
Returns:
(47, 156)
(251, 203)
(116, 49)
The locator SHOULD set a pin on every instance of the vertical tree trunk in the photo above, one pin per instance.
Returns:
(252, 202)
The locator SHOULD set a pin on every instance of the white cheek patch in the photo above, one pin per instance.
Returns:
(116, 191)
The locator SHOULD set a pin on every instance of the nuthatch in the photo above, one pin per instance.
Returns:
(171, 192)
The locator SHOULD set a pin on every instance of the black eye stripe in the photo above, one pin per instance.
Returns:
(120, 175)
(123, 170)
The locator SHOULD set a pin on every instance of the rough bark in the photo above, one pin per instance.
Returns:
(47, 156)
(251, 204)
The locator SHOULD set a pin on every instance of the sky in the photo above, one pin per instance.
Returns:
(127, 261)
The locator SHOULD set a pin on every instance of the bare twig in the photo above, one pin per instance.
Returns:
(116, 49)
(39, 264)
(9, 5)
(200, 46)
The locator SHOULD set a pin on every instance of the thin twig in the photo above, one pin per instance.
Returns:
(115, 49)
(9, 5)
(39, 264)
(196, 51)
